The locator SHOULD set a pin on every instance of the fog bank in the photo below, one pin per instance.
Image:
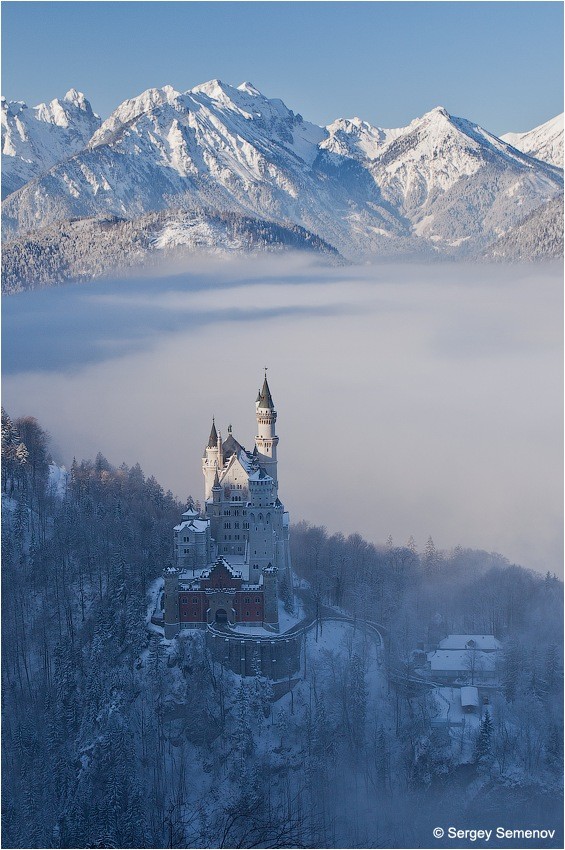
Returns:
(412, 400)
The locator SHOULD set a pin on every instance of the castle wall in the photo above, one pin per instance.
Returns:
(193, 607)
(276, 658)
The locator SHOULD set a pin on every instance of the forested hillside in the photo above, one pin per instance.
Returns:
(113, 737)
(84, 249)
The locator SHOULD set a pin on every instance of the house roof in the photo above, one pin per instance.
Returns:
(487, 643)
(470, 696)
(259, 475)
(462, 659)
(197, 526)
(230, 447)
(213, 438)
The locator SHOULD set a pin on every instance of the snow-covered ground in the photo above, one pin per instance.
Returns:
(58, 480)
(463, 726)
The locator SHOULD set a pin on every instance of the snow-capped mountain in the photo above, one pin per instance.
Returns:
(440, 185)
(544, 142)
(33, 140)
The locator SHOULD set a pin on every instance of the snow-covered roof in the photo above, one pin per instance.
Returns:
(470, 697)
(247, 460)
(462, 659)
(197, 526)
(237, 565)
(260, 475)
(487, 643)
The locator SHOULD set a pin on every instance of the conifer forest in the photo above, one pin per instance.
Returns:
(115, 737)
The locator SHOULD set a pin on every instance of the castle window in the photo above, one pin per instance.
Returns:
(246, 525)
(236, 525)
(226, 513)
(247, 600)
(257, 599)
(227, 524)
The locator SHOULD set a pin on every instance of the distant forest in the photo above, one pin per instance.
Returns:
(113, 737)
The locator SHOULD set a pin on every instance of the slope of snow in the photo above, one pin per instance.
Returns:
(33, 140)
(544, 142)
(356, 138)
(58, 479)
(539, 236)
(440, 184)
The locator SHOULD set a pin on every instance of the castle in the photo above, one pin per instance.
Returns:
(231, 558)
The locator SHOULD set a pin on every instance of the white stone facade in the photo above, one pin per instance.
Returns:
(243, 522)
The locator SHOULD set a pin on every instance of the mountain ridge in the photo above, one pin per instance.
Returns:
(440, 186)
(33, 140)
(544, 142)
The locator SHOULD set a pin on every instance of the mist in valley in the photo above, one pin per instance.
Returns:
(412, 400)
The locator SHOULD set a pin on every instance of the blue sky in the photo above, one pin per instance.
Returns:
(498, 63)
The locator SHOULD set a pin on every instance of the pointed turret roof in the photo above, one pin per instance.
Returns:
(265, 398)
(213, 440)
(216, 481)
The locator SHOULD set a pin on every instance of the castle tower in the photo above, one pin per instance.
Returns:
(211, 460)
(260, 512)
(171, 602)
(214, 510)
(266, 440)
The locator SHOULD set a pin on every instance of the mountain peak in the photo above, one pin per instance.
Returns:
(249, 88)
(170, 91)
(77, 98)
(544, 142)
(213, 88)
(437, 112)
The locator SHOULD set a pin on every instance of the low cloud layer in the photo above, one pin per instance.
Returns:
(412, 399)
